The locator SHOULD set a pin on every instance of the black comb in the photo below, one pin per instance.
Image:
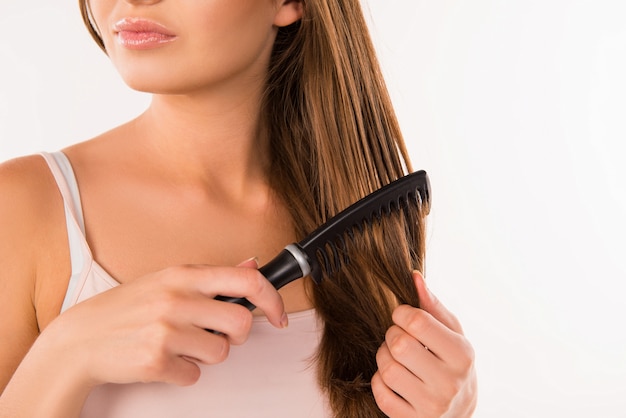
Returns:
(303, 258)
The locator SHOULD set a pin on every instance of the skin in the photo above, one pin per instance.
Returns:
(194, 165)
(425, 365)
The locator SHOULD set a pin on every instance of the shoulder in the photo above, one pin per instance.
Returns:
(24, 182)
(28, 203)
(33, 237)
(27, 190)
(30, 171)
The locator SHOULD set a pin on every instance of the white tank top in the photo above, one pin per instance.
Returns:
(272, 375)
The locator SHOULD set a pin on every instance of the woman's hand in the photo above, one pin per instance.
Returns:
(154, 328)
(151, 329)
(425, 365)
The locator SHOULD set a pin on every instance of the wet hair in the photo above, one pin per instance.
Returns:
(334, 138)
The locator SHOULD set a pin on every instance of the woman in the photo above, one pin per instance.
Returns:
(267, 118)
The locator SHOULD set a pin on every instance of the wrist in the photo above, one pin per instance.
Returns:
(51, 382)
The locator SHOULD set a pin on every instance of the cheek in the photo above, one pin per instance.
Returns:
(232, 47)
(101, 10)
(217, 51)
(233, 29)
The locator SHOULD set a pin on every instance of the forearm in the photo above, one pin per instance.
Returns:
(46, 384)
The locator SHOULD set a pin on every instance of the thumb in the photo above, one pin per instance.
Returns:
(431, 304)
(252, 263)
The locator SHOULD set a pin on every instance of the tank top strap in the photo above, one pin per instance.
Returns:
(66, 182)
(63, 173)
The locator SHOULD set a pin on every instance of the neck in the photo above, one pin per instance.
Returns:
(208, 140)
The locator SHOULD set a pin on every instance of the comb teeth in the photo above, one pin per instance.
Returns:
(325, 250)
(332, 256)
(334, 253)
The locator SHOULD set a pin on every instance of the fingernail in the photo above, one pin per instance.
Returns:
(255, 259)
(419, 276)
(284, 320)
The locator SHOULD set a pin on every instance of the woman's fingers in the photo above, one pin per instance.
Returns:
(392, 404)
(425, 365)
(414, 357)
(252, 263)
(447, 345)
(246, 283)
(204, 313)
(431, 304)
(428, 367)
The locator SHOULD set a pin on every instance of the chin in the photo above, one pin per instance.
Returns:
(155, 83)
(150, 77)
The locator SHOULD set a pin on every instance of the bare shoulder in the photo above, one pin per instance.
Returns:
(32, 221)
(24, 182)
(31, 247)
(27, 195)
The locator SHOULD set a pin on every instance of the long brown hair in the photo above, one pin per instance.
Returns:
(334, 138)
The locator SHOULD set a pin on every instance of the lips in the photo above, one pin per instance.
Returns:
(139, 33)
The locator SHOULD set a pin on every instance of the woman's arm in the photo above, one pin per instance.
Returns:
(22, 206)
(145, 330)
(426, 365)
(27, 202)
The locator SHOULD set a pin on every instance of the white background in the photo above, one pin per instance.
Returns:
(516, 108)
